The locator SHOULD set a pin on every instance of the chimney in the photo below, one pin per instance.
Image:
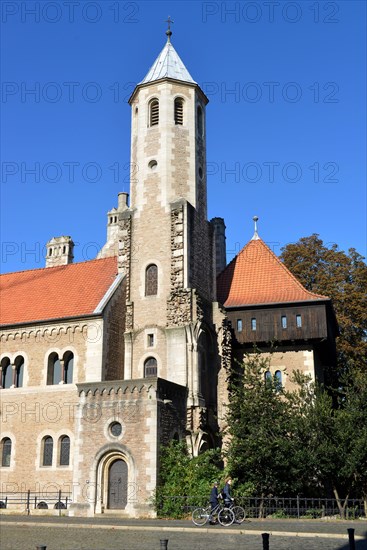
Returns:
(122, 201)
(59, 251)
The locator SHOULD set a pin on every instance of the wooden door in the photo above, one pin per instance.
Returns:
(117, 485)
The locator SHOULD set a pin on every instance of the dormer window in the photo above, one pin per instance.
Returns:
(179, 111)
(154, 112)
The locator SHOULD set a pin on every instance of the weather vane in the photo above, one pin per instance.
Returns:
(168, 31)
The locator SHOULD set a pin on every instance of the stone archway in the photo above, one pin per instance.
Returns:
(114, 479)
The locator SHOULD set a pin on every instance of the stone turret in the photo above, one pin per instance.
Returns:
(111, 246)
(59, 251)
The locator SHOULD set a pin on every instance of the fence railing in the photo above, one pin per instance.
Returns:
(282, 507)
(31, 500)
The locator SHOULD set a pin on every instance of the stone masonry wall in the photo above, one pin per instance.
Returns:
(114, 335)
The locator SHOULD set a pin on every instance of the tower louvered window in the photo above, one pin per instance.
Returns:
(154, 113)
(178, 111)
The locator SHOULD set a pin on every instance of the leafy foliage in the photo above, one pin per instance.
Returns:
(185, 481)
(264, 446)
(299, 442)
(343, 278)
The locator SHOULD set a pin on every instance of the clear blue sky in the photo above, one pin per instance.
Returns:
(286, 122)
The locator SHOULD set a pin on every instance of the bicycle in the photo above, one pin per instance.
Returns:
(225, 516)
(238, 512)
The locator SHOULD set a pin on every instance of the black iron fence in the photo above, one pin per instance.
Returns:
(282, 507)
(30, 500)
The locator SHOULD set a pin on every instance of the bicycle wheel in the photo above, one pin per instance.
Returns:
(239, 514)
(225, 517)
(200, 516)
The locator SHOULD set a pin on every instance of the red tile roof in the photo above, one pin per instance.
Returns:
(257, 276)
(55, 292)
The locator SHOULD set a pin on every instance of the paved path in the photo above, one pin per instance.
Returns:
(103, 533)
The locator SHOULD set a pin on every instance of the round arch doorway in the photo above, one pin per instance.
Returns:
(117, 485)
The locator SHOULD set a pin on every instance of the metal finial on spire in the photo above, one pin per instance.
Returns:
(168, 31)
(255, 236)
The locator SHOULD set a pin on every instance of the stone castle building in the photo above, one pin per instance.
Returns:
(105, 361)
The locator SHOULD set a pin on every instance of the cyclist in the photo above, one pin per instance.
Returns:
(214, 496)
(228, 500)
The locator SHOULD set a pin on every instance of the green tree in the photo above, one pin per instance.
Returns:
(337, 440)
(265, 445)
(185, 481)
(343, 278)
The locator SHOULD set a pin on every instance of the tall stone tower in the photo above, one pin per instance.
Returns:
(166, 243)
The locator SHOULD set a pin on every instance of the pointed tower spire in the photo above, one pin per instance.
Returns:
(255, 236)
(168, 63)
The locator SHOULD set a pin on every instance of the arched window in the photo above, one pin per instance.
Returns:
(200, 122)
(48, 447)
(19, 369)
(42, 505)
(64, 450)
(151, 280)
(6, 373)
(268, 379)
(178, 110)
(154, 112)
(68, 367)
(5, 452)
(150, 367)
(53, 369)
(278, 380)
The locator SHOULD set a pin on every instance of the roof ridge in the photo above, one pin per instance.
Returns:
(52, 267)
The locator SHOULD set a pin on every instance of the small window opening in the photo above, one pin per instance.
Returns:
(6, 452)
(154, 113)
(268, 379)
(239, 325)
(299, 321)
(178, 111)
(278, 380)
(253, 323)
(150, 340)
(284, 321)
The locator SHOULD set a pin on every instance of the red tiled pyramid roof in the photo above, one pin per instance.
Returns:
(257, 276)
(55, 292)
